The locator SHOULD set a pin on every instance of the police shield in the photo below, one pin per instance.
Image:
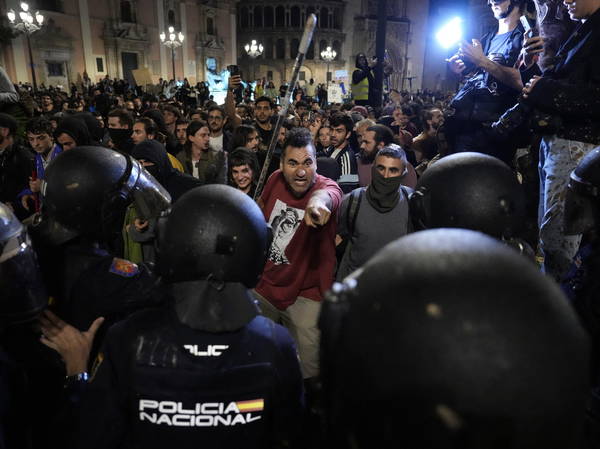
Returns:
(151, 199)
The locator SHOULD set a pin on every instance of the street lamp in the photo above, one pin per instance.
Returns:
(328, 55)
(173, 41)
(253, 50)
(28, 25)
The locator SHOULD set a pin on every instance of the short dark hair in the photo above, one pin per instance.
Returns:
(301, 104)
(217, 108)
(200, 112)
(149, 125)
(240, 135)
(298, 138)
(195, 126)
(263, 98)
(182, 121)
(394, 151)
(243, 156)
(338, 119)
(382, 134)
(39, 125)
(172, 109)
(124, 116)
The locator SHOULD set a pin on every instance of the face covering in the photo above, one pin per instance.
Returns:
(121, 139)
(383, 193)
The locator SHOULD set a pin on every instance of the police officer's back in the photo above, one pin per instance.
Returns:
(206, 369)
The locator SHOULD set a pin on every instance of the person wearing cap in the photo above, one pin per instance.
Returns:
(16, 165)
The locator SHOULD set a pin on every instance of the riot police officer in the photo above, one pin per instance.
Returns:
(84, 196)
(22, 299)
(582, 283)
(448, 339)
(206, 369)
(472, 191)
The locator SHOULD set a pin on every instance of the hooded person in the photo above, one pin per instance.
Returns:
(171, 143)
(156, 161)
(72, 132)
(363, 81)
(96, 131)
(373, 216)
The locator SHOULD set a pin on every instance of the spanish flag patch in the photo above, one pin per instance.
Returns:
(124, 268)
(254, 405)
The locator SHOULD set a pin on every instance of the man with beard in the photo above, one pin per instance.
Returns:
(342, 152)
(298, 203)
(374, 139)
(384, 216)
(363, 80)
(492, 87)
(426, 145)
(263, 112)
(219, 138)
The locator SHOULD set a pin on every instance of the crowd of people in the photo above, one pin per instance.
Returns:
(187, 298)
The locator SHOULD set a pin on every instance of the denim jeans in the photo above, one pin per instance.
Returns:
(558, 158)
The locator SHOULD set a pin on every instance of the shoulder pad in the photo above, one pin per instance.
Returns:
(124, 268)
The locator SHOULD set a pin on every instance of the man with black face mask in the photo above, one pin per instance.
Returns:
(120, 128)
(384, 216)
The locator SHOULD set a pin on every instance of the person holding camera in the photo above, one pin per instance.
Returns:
(569, 93)
(492, 87)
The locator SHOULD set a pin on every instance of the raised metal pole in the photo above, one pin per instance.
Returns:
(309, 29)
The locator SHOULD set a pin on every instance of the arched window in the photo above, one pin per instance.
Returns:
(210, 26)
(280, 16)
(171, 18)
(337, 19)
(126, 15)
(295, 17)
(338, 48)
(294, 48)
(322, 47)
(324, 17)
(280, 49)
(244, 17)
(258, 17)
(268, 17)
(310, 53)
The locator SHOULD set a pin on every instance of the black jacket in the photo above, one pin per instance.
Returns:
(16, 166)
(571, 89)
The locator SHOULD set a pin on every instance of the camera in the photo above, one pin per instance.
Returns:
(523, 114)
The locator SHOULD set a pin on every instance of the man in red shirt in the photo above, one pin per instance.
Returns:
(298, 203)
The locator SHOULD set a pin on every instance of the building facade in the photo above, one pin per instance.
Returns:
(349, 27)
(118, 37)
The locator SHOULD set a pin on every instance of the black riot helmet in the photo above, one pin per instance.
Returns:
(22, 292)
(212, 248)
(214, 231)
(448, 339)
(85, 188)
(472, 191)
(582, 204)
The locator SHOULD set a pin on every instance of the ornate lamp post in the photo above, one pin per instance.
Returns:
(328, 55)
(172, 41)
(254, 50)
(27, 25)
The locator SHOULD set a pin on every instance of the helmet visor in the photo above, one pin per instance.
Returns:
(151, 199)
(579, 213)
(22, 292)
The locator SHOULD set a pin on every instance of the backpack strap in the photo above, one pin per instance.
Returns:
(355, 199)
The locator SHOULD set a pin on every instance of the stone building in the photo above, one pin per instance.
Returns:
(114, 37)
(349, 27)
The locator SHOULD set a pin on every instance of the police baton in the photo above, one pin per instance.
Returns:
(309, 29)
